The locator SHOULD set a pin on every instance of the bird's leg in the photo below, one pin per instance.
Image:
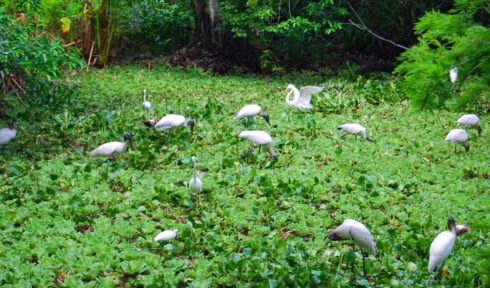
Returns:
(478, 128)
(364, 263)
(354, 262)
(113, 158)
(249, 151)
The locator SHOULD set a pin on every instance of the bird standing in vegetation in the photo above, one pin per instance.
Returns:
(170, 122)
(7, 134)
(260, 138)
(453, 74)
(302, 97)
(146, 103)
(358, 233)
(471, 121)
(443, 244)
(112, 148)
(354, 129)
(251, 110)
(195, 184)
(458, 136)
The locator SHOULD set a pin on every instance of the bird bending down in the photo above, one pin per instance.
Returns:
(112, 148)
(146, 104)
(302, 97)
(195, 184)
(251, 110)
(443, 244)
(260, 138)
(471, 121)
(458, 136)
(7, 134)
(170, 122)
(354, 129)
(358, 233)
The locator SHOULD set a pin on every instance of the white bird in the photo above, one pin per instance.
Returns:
(251, 110)
(260, 138)
(166, 235)
(146, 104)
(354, 129)
(7, 134)
(470, 121)
(170, 122)
(112, 148)
(195, 184)
(302, 97)
(458, 136)
(443, 244)
(358, 233)
(453, 74)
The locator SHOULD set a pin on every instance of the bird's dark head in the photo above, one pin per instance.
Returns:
(466, 146)
(150, 123)
(275, 157)
(370, 139)
(461, 229)
(127, 137)
(339, 128)
(266, 118)
(334, 236)
(451, 224)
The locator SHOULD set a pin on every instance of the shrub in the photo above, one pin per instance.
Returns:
(457, 39)
(26, 61)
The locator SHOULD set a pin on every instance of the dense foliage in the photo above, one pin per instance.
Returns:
(27, 62)
(68, 220)
(460, 39)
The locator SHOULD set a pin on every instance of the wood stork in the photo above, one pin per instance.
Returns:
(471, 121)
(146, 104)
(354, 129)
(358, 233)
(260, 138)
(251, 110)
(443, 244)
(195, 184)
(453, 74)
(302, 97)
(166, 235)
(112, 148)
(170, 122)
(458, 136)
(7, 134)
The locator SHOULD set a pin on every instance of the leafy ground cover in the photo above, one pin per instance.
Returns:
(69, 220)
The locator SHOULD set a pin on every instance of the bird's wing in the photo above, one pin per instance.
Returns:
(362, 237)
(306, 92)
(169, 121)
(440, 248)
(105, 149)
(248, 110)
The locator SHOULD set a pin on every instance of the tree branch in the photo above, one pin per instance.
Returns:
(363, 26)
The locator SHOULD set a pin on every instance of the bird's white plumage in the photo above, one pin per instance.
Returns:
(170, 121)
(354, 129)
(453, 74)
(468, 120)
(7, 134)
(249, 110)
(302, 97)
(195, 184)
(146, 104)
(440, 248)
(109, 149)
(166, 235)
(357, 232)
(457, 136)
(257, 137)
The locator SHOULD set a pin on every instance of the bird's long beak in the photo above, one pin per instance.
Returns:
(192, 131)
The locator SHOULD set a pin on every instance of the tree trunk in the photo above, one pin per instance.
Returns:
(203, 34)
